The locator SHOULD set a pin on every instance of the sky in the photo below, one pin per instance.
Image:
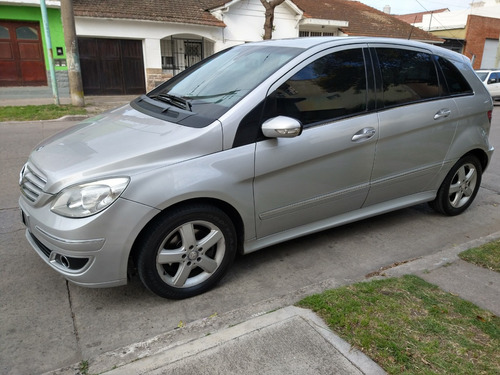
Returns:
(415, 6)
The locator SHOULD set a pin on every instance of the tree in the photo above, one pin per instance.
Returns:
(269, 23)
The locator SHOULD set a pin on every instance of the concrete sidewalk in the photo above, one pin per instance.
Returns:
(289, 340)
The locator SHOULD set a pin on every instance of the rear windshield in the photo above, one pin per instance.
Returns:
(201, 94)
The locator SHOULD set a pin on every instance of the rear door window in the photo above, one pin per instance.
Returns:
(407, 76)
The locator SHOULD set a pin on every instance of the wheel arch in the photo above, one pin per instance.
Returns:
(481, 156)
(228, 209)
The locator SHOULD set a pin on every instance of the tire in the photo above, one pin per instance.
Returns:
(460, 187)
(186, 252)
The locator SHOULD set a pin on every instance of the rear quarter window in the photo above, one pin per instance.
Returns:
(456, 84)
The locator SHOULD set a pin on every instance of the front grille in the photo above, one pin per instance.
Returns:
(31, 183)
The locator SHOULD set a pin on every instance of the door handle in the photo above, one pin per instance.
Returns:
(445, 112)
(364, 134)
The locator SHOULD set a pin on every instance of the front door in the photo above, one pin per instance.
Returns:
(193, 52)
(21, 55)
(325, 171)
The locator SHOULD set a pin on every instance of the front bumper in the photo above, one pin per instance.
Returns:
(91, 251)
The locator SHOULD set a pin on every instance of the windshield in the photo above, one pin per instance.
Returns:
(213, 86)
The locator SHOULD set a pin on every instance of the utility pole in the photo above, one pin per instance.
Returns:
(48, 43)
(72, 57)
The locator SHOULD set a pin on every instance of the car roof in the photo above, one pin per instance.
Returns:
(336, 40)
(318, 42)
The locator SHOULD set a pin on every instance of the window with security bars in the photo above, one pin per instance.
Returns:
(178, 54)
(316, 33)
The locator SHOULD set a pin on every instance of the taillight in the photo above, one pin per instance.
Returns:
(490, 115)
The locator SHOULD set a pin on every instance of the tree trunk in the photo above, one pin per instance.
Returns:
(269, 22)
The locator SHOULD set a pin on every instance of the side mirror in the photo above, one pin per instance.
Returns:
(282, 127)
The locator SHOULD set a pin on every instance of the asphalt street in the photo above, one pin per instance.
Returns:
(47, 323)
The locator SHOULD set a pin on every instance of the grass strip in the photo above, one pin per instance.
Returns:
(486, 256)
(409, 326)
(38, 112)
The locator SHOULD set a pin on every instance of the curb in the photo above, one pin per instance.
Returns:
(256, 325)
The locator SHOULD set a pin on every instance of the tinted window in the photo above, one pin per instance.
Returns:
(331, 87)
(455, 81)
(408, 76)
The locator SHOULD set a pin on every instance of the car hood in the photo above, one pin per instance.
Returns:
(121, 142)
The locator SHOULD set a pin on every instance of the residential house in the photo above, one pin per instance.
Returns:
(130, 46)
(474, 31)
(23, 48)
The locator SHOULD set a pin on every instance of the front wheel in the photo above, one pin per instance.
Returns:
(460, 187)
(186, 251)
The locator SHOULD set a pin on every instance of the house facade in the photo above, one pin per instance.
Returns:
(23, 48)
(473, 32)
(129, 47)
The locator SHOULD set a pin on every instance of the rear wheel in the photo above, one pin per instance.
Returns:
(460, 187)
(186, 251)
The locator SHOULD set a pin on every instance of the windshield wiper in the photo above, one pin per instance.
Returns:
(228, 93)
(176, 101)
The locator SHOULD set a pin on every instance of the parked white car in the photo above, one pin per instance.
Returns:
(491, 79)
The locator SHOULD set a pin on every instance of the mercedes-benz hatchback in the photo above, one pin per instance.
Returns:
(258, 144)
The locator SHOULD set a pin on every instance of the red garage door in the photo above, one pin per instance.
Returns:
(21, 54)
(111, 66)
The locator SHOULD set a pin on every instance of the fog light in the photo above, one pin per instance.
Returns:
(62, 260)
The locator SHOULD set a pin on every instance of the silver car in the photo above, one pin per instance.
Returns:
(256, 145)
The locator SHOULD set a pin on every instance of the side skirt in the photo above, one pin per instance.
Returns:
(349, 217)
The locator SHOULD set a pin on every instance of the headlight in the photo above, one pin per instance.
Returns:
(88, 199)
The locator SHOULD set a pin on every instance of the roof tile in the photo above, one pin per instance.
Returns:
(363, 19)
(185, 11)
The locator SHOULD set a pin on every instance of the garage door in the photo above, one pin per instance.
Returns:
(21, 54)
(111, 66)
(490, 59)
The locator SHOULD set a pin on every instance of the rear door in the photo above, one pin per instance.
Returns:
(417, 124)
(326, 170)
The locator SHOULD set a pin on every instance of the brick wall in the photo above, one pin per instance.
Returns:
(155, 77)
(478, 30)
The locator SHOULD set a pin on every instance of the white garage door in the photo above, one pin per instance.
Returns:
(490, 60)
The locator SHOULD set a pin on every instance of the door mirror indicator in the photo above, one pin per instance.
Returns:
(282, 127)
